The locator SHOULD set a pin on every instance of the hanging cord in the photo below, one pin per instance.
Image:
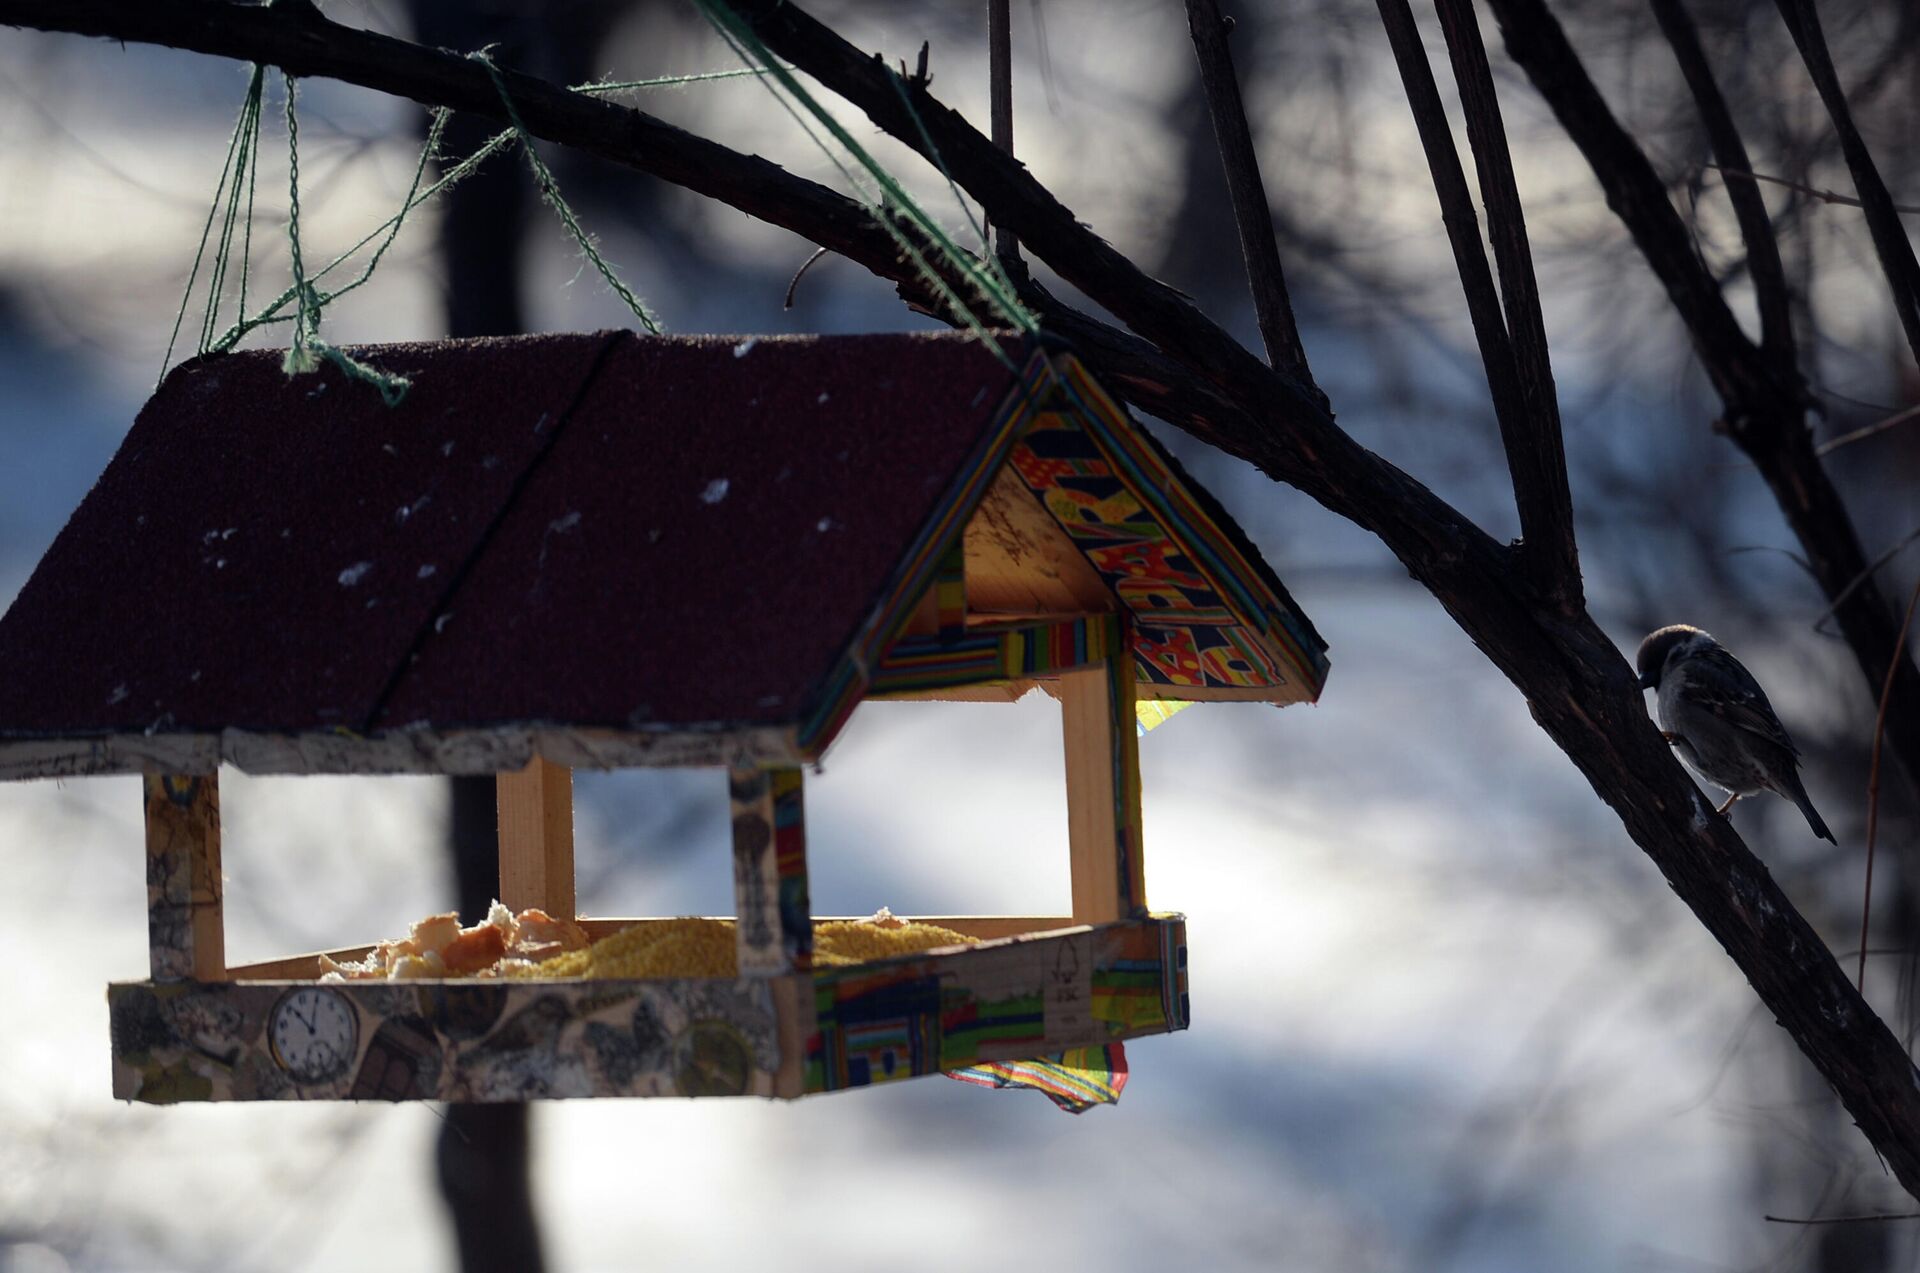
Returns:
(270, 313)
(664, 81)
(308, 348)
(307, 297)
(242, 156)
(245, 161)
(895, 208)
(746, 43)
(883, 213)
(550, 191)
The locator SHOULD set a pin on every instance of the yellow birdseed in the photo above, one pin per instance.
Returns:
(691, 947)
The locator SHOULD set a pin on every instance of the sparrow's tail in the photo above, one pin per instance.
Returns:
(1797, 792)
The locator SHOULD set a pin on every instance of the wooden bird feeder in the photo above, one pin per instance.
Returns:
(603, 551)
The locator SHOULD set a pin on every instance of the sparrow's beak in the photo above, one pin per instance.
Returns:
(1649, 680)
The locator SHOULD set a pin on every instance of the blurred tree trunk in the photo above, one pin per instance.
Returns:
(482, 1156)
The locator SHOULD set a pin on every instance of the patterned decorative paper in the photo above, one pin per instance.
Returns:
(1151, 713)
(1202, 618)
(1076, 1080)
(1012, 1001)
(446, 1041)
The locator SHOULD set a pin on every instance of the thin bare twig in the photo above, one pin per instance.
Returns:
(1248, 192)
(1873, 783)
(1890, 242)
(1771, 294)
(1000, 75)
(1862, 580)
(801, 273)
(1895, 420)
(1900, 1215)
(1815, 192)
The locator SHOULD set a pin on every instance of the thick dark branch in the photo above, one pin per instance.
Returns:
(1581, 691)
(296, 38)
(1251, 213)
(1762, 397)
(1770, 289)
(1540, 468)
(1890, 240)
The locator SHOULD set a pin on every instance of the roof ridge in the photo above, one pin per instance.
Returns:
(458, 576)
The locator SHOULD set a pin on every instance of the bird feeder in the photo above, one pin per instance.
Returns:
(601, 551)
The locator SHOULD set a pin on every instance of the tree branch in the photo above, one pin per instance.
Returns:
(1529, 423)
(1580, 690)
(1762, 398)
(1771, 293)
(1251, 212)
(1813, 192)
(1540, 470)
(1890, 240)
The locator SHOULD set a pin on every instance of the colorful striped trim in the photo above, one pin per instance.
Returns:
(1002, 652)
(1076, 1080)
(1225, 568)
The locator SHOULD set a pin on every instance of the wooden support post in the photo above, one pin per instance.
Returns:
(1103, 786)
(774, 928)
(186, 933)
(536, 838)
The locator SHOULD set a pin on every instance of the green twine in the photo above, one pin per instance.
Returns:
(306, 295)
(242, 159)
(307, 348)
(886, 215)
(270, 313)
(550, 191)
(988, 283)
(664, 81)
(991, 261)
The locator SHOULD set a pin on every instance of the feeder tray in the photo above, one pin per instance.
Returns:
(604, 551)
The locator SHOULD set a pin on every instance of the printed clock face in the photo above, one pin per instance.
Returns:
(314, 1034)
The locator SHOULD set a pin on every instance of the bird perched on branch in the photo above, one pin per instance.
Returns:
(1718, 718)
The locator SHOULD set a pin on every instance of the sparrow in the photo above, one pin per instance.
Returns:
(1717, 717)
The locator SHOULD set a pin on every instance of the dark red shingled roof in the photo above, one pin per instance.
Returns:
(262, 553)
(576, 530)
(713, 524)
